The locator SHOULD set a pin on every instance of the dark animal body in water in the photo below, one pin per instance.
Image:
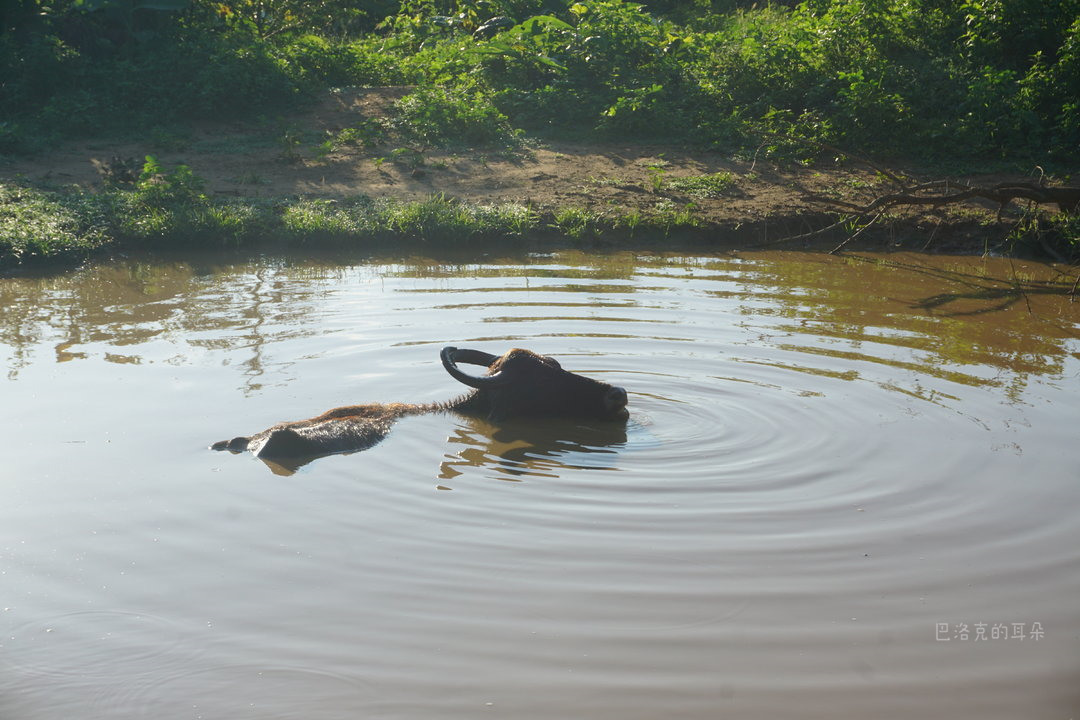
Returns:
(519, 384)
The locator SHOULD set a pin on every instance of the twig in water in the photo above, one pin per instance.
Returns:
(856, 234)
(933, 234)
(804, 236)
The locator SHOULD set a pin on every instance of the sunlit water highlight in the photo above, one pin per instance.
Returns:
(835, 471)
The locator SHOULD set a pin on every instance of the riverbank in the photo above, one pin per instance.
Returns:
(338, 173)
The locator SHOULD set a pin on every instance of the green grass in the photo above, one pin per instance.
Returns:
(38, 224)
(575, 223)
(705, 186)
(312, 220)
(35, 224)
(434, 219)
(166, 209)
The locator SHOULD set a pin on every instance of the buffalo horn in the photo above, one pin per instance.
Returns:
(451, 356)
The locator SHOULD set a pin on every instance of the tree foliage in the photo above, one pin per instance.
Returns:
(938, 78)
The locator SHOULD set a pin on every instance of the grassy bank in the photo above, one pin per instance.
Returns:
(42, 225)
(979, 84)
(169, 212)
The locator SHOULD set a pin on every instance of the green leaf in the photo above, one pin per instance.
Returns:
(550, 63)
(539, 23)
(167, 5)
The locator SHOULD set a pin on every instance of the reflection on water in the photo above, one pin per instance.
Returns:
(913, 303)
(514, 449)
(133, 304)
(828, 460)
(538, 448)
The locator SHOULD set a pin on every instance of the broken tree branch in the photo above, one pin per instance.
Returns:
(1066, 198)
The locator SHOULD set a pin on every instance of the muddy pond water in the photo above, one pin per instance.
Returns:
(848, 487)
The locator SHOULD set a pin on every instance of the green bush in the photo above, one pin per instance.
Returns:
(609, 65)
(322, 62)
(443, 117)
(931, 78)
(169, 205)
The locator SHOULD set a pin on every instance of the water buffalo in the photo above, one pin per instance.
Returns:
(519, 384)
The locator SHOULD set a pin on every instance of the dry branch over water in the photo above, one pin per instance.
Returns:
(946, 192)
(942, 193)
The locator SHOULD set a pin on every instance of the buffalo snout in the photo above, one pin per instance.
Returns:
(615, 402)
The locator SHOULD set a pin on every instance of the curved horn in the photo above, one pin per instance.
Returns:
(451, 356)
(472, 357)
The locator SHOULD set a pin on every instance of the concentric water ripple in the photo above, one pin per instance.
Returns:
(258, 692)
(826, 461)
(91, 644)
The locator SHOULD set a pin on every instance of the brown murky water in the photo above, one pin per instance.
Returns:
(848, 488)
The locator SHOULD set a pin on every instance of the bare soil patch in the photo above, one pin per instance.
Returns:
(282, 158)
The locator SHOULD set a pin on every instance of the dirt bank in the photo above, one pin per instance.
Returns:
(289, 157)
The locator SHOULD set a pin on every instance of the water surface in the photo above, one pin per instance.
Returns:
(848, 488)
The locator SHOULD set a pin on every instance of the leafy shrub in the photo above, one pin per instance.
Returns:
(170, 204)
(442, 117)
(158, 187)
(981, 78)
(899, 77)
(267, 20)
(610, 65)
(321, 62)
(1050, 234)
(13, 139)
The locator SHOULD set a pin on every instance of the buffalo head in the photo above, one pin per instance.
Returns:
(522, 383)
